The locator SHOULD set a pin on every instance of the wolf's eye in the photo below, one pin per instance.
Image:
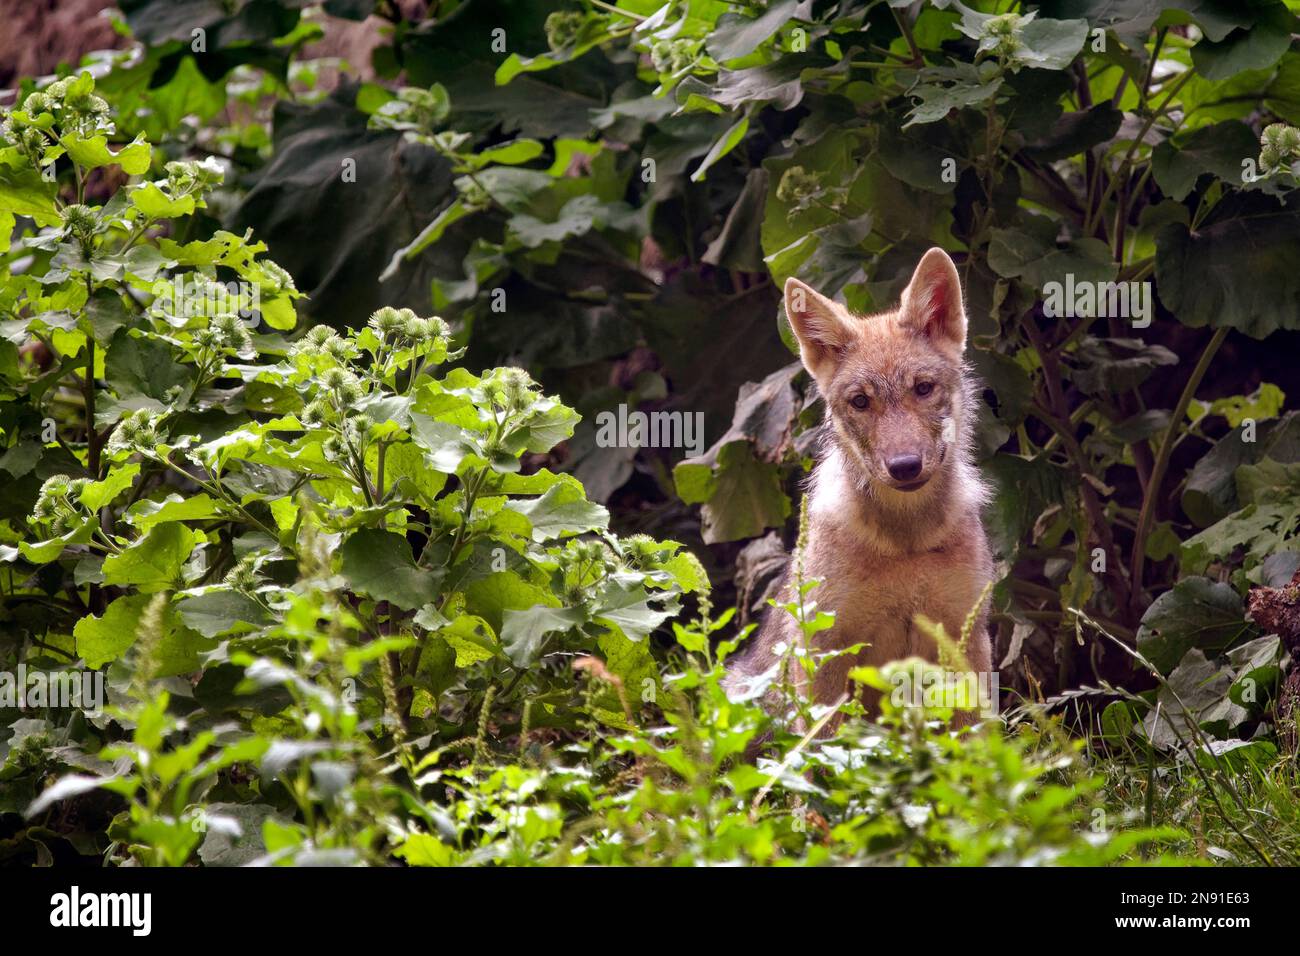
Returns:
(859, 402)
(924, 388)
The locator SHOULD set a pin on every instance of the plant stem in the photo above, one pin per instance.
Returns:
(88, 389)
(903, 26)
(619, 10)
(1161, 465)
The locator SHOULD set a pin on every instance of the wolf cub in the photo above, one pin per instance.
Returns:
(894, 501)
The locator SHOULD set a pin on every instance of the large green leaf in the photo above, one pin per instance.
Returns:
(215, 613)
(1195, 613)
(1211, 492)
(104, 639)
(524, 632)
(1259, 46)
(1030, 252)
(736, 35)
(1240, 269)
(380, 564)
(742, 496)
(562, 511)
(1217, 149)
(154, 562)
(23, 191)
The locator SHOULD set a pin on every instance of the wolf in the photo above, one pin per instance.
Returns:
(894, 501)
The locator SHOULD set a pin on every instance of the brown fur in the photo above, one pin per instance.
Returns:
(885, 554)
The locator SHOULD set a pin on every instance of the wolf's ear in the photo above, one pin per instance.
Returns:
(932, 301)
(818, 324)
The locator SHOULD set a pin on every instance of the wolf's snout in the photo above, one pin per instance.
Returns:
(904, 467)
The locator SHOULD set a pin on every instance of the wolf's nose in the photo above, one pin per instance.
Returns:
(904, 467)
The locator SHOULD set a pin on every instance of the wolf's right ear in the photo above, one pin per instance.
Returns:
(818, 324)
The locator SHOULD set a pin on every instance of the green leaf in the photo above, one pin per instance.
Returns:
(217, 613)
(234, 832)
(471, 638)
(725, 144)
(1197, 693)
(175, 507)
(1210, 491)
(155, 204)
(512, 153)
(380, 564)
(1255, 48)
(23, 191)
(447, 445)
(742, 496)
(562, 511)
(43, 552)
(424, 849)
(427, 236)
(1241, 268)
(1107, 366)
(103, 639)
(154, 562)
(1176, 165)
(1075, 133)
(141, 365)
(1195, 613)
(1030, 252)
(93, 152)
(491, 596)
(577, 217)
(99, 493)
(1257, 529)
(1051, 44)
(735, 35)
(406, 470)
(523, 632)
(945, 89)
(627, 605)
(547, 423)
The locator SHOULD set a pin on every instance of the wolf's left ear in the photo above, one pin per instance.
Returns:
(932, 302)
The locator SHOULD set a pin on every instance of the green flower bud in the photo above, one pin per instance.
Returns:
(1004, 25)
(334, 449)
(339, 349)
(278, 278)
(320, 335)
(562, 28)
(416, 329)
(797, 185)
(136, 432)
(316, 413)
(55, 486)
(37, 102)
(386, 321)
(80, 221)
(207, 340)
(1282, 138)
(243, 576)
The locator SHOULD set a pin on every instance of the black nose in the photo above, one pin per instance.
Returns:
(904, 467)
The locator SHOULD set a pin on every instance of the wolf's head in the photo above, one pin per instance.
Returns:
(895, 390)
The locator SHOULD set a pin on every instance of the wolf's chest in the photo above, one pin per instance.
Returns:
(864, 588)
